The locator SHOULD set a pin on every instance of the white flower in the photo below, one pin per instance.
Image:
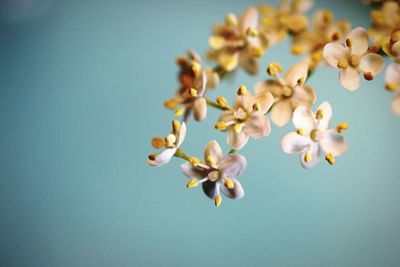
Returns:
(353, 59)
(392, 79)
(246, 118)
(171, 143)
(313, 137)
(217, 173)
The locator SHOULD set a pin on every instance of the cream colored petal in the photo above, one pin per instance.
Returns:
(248, 19)
(396, 104)
(305, 5)
(326, 108)
(395, 49)
(214, 150)
(248, 62)
(243, 101)
(200, 109)
(227, 116)
(303, 118)
(228, 61)
(236, 192)
(334, 143)
(372, 62)
(297, 23)
(392, 74)
(333, 52)
(258, 125)
(281, 113)
(266, 100)
(237, 140)
(359, 41)
(163, 158)
(212, 78)
(192, 172)
(296, 72)
(271, 86)
(293, 143)
(315, 152)
(182, 134)
(211, 189)
(304, 95)
(232, 165)
(349, 78)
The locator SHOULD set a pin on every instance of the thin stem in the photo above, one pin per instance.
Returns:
(180, 154)
(232, 151)
(215, 105)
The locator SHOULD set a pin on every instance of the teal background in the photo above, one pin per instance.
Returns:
(81, 90)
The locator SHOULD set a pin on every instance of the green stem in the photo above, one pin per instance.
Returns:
(232, 151)
(180, 154)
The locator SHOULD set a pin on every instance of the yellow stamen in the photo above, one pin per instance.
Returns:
(348, 42)
(257, 106)
(170, 140)
(222, 102)
(196, 68)
(274, 68)
(297, 50)
(171, 103)
(179, 112)
(194, 161)
(314, 134)
(341, 127)
(220, 126)
(252, 32)
(320, 114)
(193, 92)
(231, 20)
(176, 125)
(228, 182)
(242, 90)
(210, 160)
(391, 87)
(330, 158)
(157, 142)
(316, 56)
(301, 81)
(218, 200)
(192, 183)
(307, 157)
(354, 60)
(300, 131)
(237, 128)
(342, 63)
(368, 76)
(256, 51)
(327, 16)
(216, 42)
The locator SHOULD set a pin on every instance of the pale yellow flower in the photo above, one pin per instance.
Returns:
(288, 17)
(392, 46)
(217, 174)
(354, 58)
(288, 91)
(384, 21)
(392, 79)
(312, 136)
(247, 118)
(238, 42)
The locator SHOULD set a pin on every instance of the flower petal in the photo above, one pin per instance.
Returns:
(359, 41)
(349, 78)
(257, 125)
(236, 192)
(182, 134)
(281, 112)
(214, 150)
(396, 104)
(248, 62)
(332, 142)
(296, 72)
(392, 74)
(248, 19)
(163, 158)
(333, 52)
(192, 172)
(237, 140)
(304, 95)
(315, 152)
(303, 118)
(232, 165)
(372, 62)
(268, 86)
(293, 143)
(266, 100)
(211, 189)
(323, 123)
(200, 109)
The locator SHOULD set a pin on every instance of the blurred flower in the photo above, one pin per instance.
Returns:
(288, 17)
(392, 46)
(246, 118)
(313, 137)
(325, 30)
(288, 91)
(354, 58)
(217, 173)
(193, 78)
(238, 42)
(171, 143)
(384, 21)
(392, 79)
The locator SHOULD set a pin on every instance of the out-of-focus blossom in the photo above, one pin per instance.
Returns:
(392, 79)
(392, 46)
(247, 118)
(384, 21)
(312, 137)
(238, 42)
(288, 17)
(288, 91)
(354, 58)
(325, 29)
(193, 78)
(217, 173)
(171, 143)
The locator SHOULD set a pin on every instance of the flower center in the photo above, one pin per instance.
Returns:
(241, 115)
(315, 135)
(354, 60)
(287, 91)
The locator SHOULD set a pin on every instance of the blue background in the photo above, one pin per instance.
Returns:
(81, 90)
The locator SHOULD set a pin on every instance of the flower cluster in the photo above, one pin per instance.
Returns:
(282, 97)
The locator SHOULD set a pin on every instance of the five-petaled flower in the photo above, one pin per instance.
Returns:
(288, 91)
(313, 137)
(392, 79)
(246, 118)
(217, 173)
(171, 143)
(354, 58)
(238, 42)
